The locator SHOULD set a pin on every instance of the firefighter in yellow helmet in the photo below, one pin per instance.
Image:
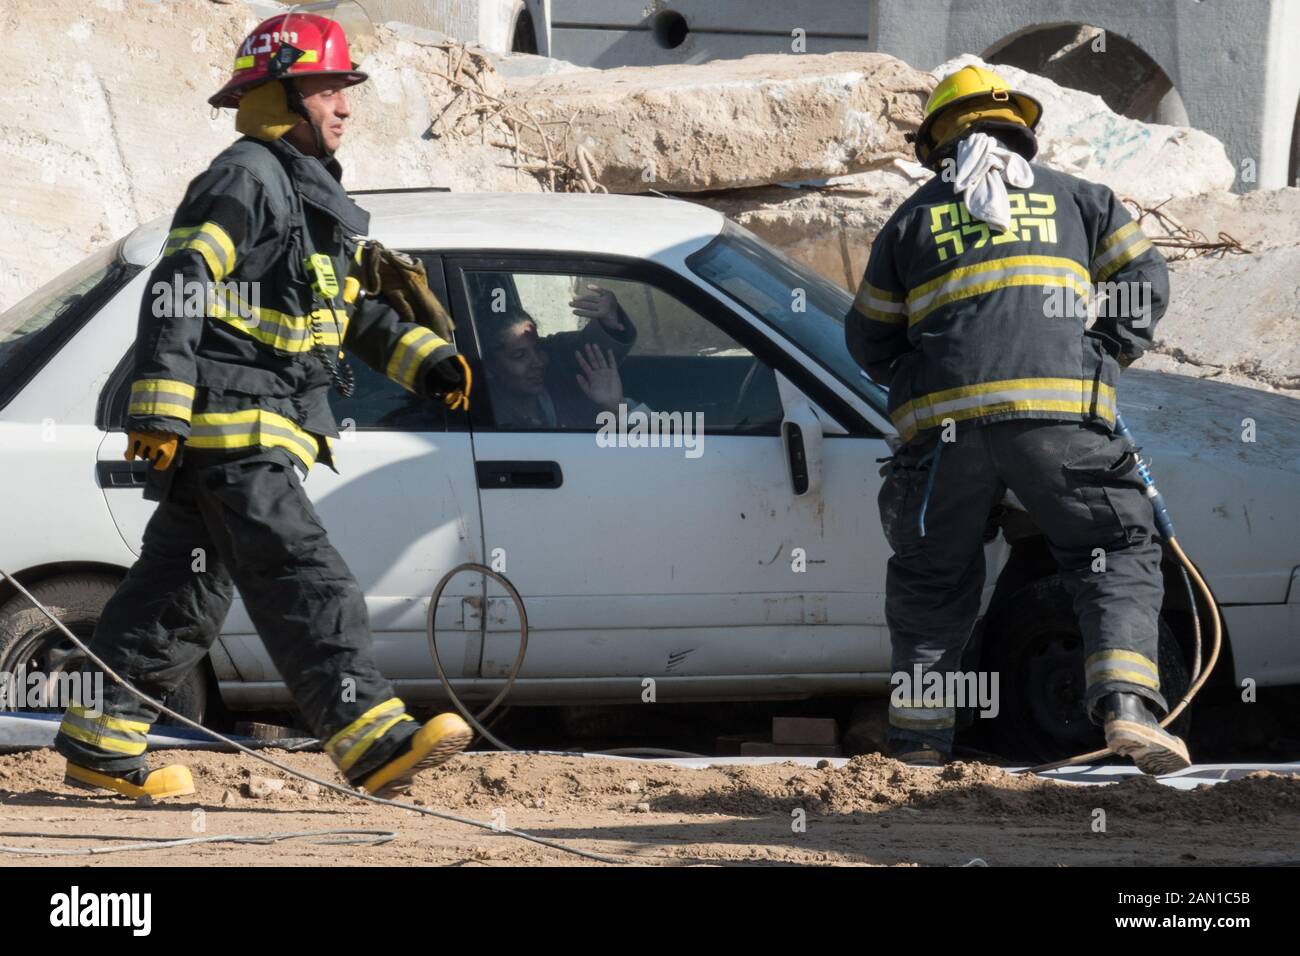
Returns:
(973, 310)
(231, 403)
(975, 95)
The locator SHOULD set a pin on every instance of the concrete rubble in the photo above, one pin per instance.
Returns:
(1235, 319)
(731, 123)
(104, 122)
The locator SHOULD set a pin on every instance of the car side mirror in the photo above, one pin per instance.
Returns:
(801, 434)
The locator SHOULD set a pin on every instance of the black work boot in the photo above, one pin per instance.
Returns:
(1132, 731)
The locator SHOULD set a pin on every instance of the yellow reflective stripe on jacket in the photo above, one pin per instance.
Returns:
(1119, 249)
(1070, 395)
(878, 305)
(161, 396)
(1129, 666)
(410, 350)
(348, 745)
(210, 241)
(252, 427)
(984, 277)
(111, 734)
(289, 333)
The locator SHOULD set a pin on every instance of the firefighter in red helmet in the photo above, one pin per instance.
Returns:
(230, 405)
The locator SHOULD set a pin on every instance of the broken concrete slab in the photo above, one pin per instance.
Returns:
(1236, 318)
(730, 123)
(1081, 135)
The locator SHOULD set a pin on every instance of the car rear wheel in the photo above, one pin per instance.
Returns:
(31, 643)
(1036, 647)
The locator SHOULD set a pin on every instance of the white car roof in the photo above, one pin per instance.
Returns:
(636, 226)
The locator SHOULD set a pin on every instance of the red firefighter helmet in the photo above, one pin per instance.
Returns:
(297, 43)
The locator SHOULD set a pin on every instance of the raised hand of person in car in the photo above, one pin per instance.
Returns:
(600, 304)
(599, 379)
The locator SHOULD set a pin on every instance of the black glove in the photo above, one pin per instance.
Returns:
(451, 379)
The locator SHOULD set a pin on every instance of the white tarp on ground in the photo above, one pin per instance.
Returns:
(1188, 779)
(33, 731)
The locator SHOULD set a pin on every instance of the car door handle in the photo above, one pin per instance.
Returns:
(519, 474)
(122, 474)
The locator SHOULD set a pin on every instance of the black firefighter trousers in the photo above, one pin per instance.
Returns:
(1080, 485)
(243, 523)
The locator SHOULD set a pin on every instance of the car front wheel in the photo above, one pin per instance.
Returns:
(30, 643)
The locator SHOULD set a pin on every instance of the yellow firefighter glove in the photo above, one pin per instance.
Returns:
(157, 447)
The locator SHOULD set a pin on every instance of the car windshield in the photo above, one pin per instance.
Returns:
(804, 307)
(38, 325)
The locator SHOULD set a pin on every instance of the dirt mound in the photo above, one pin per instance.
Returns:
(871, 811)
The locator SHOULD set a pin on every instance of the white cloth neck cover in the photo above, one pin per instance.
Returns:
(984, 168)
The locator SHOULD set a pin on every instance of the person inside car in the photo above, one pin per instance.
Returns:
(562, 380)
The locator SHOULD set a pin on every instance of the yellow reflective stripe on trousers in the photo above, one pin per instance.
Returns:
(410, 350)
(348, 745)
(280, 330)
(984, 277)
(111, 734)
(1119, 249)
(1128, 666)
(922, 718)
(161, 396)
(210, 241)
(252, 427)
(879, 305)
(1068, 395)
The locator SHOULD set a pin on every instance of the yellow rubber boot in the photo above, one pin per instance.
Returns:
(172, 781)
(436, 742)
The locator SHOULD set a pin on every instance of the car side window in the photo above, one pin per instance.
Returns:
(559, 349)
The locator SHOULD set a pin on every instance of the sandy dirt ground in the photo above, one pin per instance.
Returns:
(874, 811)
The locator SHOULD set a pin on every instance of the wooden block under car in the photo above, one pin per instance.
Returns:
(822, 731)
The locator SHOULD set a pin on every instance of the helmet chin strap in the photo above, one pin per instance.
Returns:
(293, 96)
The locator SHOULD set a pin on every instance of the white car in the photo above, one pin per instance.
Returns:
(749, 567)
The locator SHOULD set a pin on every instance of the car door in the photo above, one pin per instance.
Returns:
(703, 568)
(402, 510)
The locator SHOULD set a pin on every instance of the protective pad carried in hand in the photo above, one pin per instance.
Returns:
(401, 281)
